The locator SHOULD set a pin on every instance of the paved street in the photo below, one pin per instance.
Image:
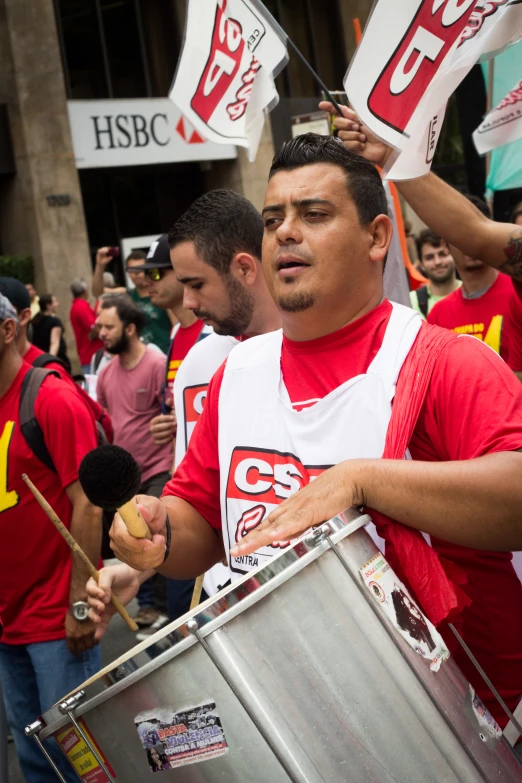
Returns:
(117, 640)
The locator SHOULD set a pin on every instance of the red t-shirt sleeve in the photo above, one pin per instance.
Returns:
(473, 406)
(196, 479)
(68, 427)
(85, 315)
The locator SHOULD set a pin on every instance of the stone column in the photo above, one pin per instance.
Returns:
(32, 85)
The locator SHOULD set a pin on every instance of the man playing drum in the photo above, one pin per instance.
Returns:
(315, 402)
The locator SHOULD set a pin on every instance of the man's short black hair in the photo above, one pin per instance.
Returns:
(128, 312)
(427, 237)
(136, 255)
(221, 223)
(363, 180)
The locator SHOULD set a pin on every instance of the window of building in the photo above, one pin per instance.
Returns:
(117, 48)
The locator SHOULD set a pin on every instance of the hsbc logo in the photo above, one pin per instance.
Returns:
(435, 29)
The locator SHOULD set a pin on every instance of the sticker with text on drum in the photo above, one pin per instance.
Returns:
(172, 739)
(397, 604)
(81, 756)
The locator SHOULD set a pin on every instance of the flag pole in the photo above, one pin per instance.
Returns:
(316, 77)
(261, 7)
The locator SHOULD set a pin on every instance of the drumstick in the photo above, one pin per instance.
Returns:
(111, 477)
(76, 548)
(196, 595)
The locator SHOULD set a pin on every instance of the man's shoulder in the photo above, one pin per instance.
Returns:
(254, 351)
(203, 359)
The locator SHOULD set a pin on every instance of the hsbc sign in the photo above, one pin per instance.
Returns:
(137, 132)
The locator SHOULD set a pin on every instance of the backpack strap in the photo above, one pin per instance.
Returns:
(98, 356)
(422, 298)
(46, 358)
(29, 426)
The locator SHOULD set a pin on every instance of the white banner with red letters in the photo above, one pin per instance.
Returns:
(232, 51)
(412, 57)
(503, 123)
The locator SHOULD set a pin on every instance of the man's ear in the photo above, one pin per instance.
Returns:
(381, 234)
(24, 316)
(244, 268)
(10, 329)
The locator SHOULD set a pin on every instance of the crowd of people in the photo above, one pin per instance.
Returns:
(266, 332)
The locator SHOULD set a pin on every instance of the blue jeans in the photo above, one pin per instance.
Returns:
(33, 678)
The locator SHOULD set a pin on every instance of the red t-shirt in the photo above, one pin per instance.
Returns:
(457, 422)
(34, 352)
(483, 318)
(514, 328)
(82, 318)
(35, 561)
(184, 339)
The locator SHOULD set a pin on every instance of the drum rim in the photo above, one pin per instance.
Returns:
(54, 720)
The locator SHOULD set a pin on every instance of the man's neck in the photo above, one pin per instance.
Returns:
(185, 317)
(266, 317)
(133, 356)
(10, 363)
(480, 280)
(143, 291)
(22, 343)
(443, 289)
(318, 322)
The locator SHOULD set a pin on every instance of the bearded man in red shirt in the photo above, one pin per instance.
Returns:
(320, 394)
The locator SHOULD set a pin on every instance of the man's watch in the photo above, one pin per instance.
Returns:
(79, 611)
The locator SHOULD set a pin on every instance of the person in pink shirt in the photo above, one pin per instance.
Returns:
(130, 387)
(83, 322)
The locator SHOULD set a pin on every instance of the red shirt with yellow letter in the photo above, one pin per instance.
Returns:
(35, 561)
(482, 317)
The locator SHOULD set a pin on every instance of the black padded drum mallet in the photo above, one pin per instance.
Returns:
(111, 477)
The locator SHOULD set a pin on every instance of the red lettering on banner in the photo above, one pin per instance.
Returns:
(236, 110)
(267, 476)
(437, 25)
(478, 17)
(511, 98)
(222, 65)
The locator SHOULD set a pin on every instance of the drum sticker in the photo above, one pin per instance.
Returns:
(397, 604)
(486, 721)
(173, 739)
(81, 756)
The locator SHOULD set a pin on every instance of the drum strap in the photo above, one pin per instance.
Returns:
(435, 583)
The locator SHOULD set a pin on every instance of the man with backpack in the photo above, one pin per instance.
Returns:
(48, 646)
(437, 264)
(17, 294)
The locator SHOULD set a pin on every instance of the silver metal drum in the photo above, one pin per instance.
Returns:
(293, 673)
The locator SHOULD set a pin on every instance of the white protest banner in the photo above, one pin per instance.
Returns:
(503, 124)
(412, 57)
(224, 82)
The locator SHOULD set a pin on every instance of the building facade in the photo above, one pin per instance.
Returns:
(93, 153)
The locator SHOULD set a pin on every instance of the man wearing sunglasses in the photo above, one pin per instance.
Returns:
(167, 293)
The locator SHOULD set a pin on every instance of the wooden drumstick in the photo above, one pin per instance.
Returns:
(111, 477)
(196, 595)
(76, 548)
